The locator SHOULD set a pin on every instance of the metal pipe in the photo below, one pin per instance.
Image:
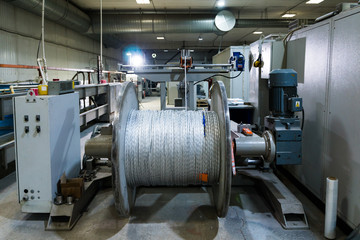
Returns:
(256, 146)
(326, 16)
(99, 73)
(155, 23)
(251, 146)
(99, 147)
(115, 23)
(262, 23)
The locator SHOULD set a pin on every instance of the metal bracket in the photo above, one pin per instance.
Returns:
(64, 217)
(287, 209)
(30, 96)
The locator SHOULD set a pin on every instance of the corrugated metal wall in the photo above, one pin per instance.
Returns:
(19, 34)
(331, 101)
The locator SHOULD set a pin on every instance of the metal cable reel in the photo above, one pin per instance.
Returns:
(171, 148)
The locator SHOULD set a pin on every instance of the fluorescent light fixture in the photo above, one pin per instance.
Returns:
(257, 32)
(160, 38)
(314, 1)
(143, 1)
(288, 15)
(200, 39)
(191, 50)
(128, 54)
(137, 61)
(220, 3)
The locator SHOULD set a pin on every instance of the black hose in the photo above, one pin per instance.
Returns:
(303, 118)
(218, 75)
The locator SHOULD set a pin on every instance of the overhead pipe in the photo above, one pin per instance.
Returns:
(58, 11)
(262, 23)
(174, 23)
(154, 23)
(67, 15)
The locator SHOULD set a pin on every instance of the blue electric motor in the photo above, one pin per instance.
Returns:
(284, 102)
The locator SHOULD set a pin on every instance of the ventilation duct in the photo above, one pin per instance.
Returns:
(178, 23)
(59, 11)
(66, 14)
(154, 23)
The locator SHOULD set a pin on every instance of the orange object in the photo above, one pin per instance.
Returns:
(203, 177)
(247, 132)
(186, 63)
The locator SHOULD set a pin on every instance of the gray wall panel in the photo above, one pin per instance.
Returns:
(342, 160)
(19, 34)
(331, 94)
(313, 92)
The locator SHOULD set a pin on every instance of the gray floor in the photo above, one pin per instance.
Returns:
(162, 213)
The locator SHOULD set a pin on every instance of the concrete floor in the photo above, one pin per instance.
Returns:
(150, 103)
(163, 213)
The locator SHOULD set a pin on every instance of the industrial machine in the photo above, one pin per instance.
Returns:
(154, 148)
(186, 73)
(284, 102)
(278, 143)
(47, 140)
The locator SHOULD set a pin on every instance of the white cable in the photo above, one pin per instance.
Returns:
(172, 148)
(185, 79)
(101, 34)
(44, 72)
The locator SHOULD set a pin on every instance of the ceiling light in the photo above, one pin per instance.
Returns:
(257, 32)
(288, 15)
(314, 1)
(160, 38)
(200, 39)
(137, 61)
(128, 54)
(220, 3)
(165, 50)
(143, 1)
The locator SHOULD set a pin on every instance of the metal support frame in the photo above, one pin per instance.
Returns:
(287, 209)
(174, 73)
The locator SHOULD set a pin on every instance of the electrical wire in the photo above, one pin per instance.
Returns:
(38, 50)
(218, 75)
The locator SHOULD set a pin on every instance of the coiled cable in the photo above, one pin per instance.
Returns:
(172, 148)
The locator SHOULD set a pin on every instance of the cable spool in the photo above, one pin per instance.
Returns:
(171, 148)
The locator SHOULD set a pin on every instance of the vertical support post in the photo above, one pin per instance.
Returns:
(192, 96)
(99, 69)
(163, 95)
